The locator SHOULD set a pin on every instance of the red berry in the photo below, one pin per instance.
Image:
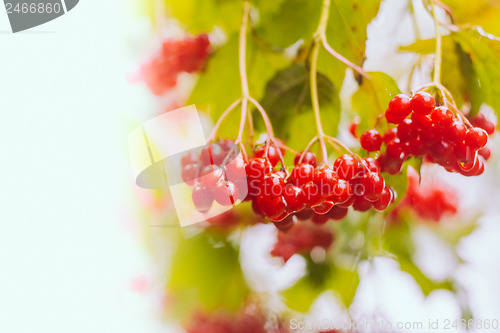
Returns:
(407, 131)
(302, 174)
(342, 192)
(371, 164)
(422, 103)
(476, 138)
(442, 116)
(189, 158)
(361, 204)
(210, 175)
(396, 150)
(393, 118)
(309, 158)
(202, 198)
(294, 197)
(313, 195)
(326, 179)
(338, 213)
(385, 199)
(304, 214)
(257, 168)
(272, 154)
(389, 164)
(320, 219)
(485, 153)
(226, 193)
(272, 207)
(272, 185)
(373, 185)
(455, 133)
(189, 173)
(481, 121)
(400, 105)
(415, 147)
(235, 169)
(346, 166)
(390, 134)
(422, 122)
(371, 140)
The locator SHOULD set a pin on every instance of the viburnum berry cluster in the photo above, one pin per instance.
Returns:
(435, 133)
(209, 176)
(175, 56)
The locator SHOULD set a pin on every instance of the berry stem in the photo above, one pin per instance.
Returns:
(337, 142)
(308, 147)
(341, 58)
(313, 75)
(439, 53)
(265, 117)
(222, 117)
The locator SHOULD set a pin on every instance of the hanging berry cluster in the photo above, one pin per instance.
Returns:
(175, 56)
(432, 132)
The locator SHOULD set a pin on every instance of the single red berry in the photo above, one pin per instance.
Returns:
(371, 164)
(294, 197)
(354, 127)
(396, 150)
(235, 169)
(338, 213)
(346, 167)
(371, 140)
(313, 195)
(393, 118)
(341, 193)
(225, 193)
(385, 199)
(373, 185)
(481, 121)
(320, 219)
(422, 103)
(189, 173)
(210, 175)
(442, 116)
(422, 122)
(389, 164)
(302, 174)
(272, 154)
(326, 179)
(361, 204)
(257, 168)
(272, 207)
(407, 131)
(400, 104)
(309, 158)
(476, 138)
(415, 147)
(455, 133)
(304, 214)
(390, 134)
(202, 198)
(189, 158)
(272, 185)
(485, 153)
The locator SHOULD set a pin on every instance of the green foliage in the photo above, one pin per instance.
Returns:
(321, 277)
(206, 274)
(288, 102)
(295, 20)
(372, 98)
(203, 15)
(471, 66)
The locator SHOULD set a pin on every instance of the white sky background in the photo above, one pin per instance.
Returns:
(66, 258)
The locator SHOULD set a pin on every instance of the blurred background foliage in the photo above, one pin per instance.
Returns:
(204, 271)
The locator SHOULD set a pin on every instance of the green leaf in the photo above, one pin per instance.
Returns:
(478, 12)
(347, 34)
(484, 53)
(372, 97)
(206, 274)
(345, 283)
(203, 15)
(427, 284)
(293, 21)
(288, 102)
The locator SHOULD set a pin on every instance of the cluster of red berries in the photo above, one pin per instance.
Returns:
(433, 132)
(429, 201)
(176, 56)
(211, 178)
(301, 239)
(312, 191)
